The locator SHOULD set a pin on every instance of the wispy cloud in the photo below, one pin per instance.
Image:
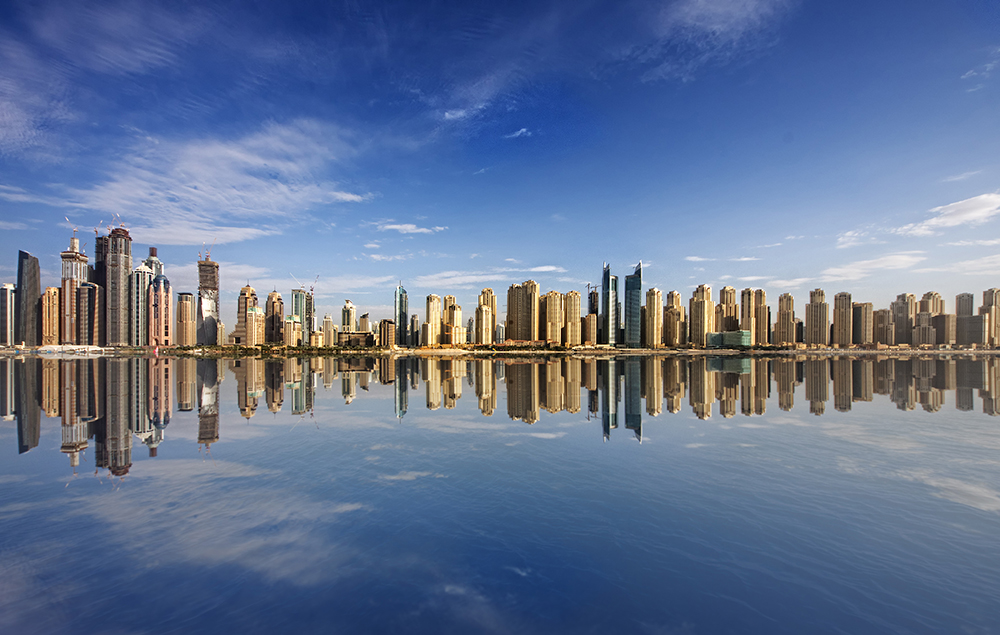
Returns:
(977, 76)
(961, 177)
(468, 279)
(856, 237)
(972, 211)
(991, 242)
(698, 33)
(697, 259)
(744, 259)
(987, 265)
(523, 132)
(12, 225)
(864, 268)
(793, 283)
(408, 228)
(388, 258)
(372, 246)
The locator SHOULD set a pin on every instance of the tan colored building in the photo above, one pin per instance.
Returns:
(50, 316)
(186, 329)
(748, 314)
(160, 312)
(552, 314)
(784, 328)
(904, 311)
(727, 312)
(675, 326)
(931, 303)
(292, 331)
(488, 299)
(863, 329)
(484, 325)
(883, 327)
(965, 304)
(250, 320)
(702, 312)
(574, 324)
(654, 318)
(74, 273)
(589, 333)
(843, 320)
(762, 318)
(523, 311)
(430, 330)
(817, 327)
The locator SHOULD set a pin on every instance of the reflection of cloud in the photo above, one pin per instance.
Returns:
(202, 514)
(408, 476)
(973, 495)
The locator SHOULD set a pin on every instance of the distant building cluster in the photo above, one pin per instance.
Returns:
(111, 304)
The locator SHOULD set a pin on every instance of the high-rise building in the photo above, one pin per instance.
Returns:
(50, 316)
(186, 329)
(654, 318)
(401, 315)
(160, 312)
(552, 314)
(28, 300)
(208, 303)
(249, 320)
(274, 318)
(364, 323)
(931, 303)
(843, 320)
(784, 328)
(574, 323)
(965, 304)
(883, 327)
(748, 314)
(90, 314)
(702, 315)
(675, 327)
(430, 332)
(727, 312)
(329, 331)
(7, 310)
(302, 306)
(904, 310)
(488, 298)
(414, 330)
(523, 311)
(74, 272)
(114, 269)
(387, 331)
(484, 328)
(348, 316)
(863, 323)
(610, 309)
(593, 302)
(923, 330)
(139, 283)
(817, 328)
(991, 311)
(633, 308)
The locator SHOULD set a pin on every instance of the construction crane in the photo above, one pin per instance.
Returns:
(313, 287)
(69, 223)
(208, 253)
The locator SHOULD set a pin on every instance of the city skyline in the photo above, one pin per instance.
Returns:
(769, 144)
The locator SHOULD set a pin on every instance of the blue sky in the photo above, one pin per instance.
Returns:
(774, 143)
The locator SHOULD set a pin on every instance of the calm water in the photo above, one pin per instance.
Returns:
(633, 495)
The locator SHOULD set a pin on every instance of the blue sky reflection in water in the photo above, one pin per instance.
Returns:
(878, 519)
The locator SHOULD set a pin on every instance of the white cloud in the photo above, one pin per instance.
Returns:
(988, 265)
(408, 228)
(793, 283)
(12, 225)
(523, 132)
(752, 278)
(388, 258)
(863, 268)
(481, 171)
(546, 268)
(852, 238)
(468, 279)
(972, 211)
(991, 242)
(744, 259)
(372, 246)
(697, 259)
(961, 177)
(193, 190)
(794, 237)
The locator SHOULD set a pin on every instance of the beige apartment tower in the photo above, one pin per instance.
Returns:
(702, 312)
(654, 318)
(843, 320)
(74, 273)
(523, 311)
(727, 311)
(784, 328)
(863, 327)
(553, 317)
(817, 327)
(50, 316)
(186, 333)
(574, 322)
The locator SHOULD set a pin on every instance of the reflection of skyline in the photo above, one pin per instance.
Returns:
(103, 403)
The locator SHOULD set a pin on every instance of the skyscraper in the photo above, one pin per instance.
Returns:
(904, 311)
(160, 312)
(50, 316)
(186, 330)
(552, 314)
(7, 306)
(633, 308)
(817, 329)
(90, 314)
(401, 314)
(784, 328)
(965, 304)
(489, 299)
(430, 332)
(139, 283)
(654, 318)
(843, 319)
(701, 315)
(74, 272)
(302, 306)
(574, 323)
(208, 302)
(675, 325)
(114, 270)
(249, 319)
(27, 314)
(931, 303)
(348, 317)
(274, 318)
(762, 318)
(523, 311)
(748, 316)
(727, 315)
(610, 320)
(863, 329)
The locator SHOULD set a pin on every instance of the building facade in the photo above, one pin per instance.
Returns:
(28, 301)
(633, 308)
(208, 303)
(186, 331)
(74, 272)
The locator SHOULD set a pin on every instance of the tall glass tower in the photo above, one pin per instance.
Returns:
(611, 320)
(633, 308)
(401, 316)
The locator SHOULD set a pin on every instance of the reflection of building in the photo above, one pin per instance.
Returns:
(75, 430)
(633, 396)
(27, 395)
(160, 400)
(608, 374)
(249, 373)
(674, 383)
(113, 439)
(522, 391)
(702, 393)
(785, 376)
(817, 384)
(843, 384)
(209, 378)
(486, 385)
(7, 389)
(187, 393)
